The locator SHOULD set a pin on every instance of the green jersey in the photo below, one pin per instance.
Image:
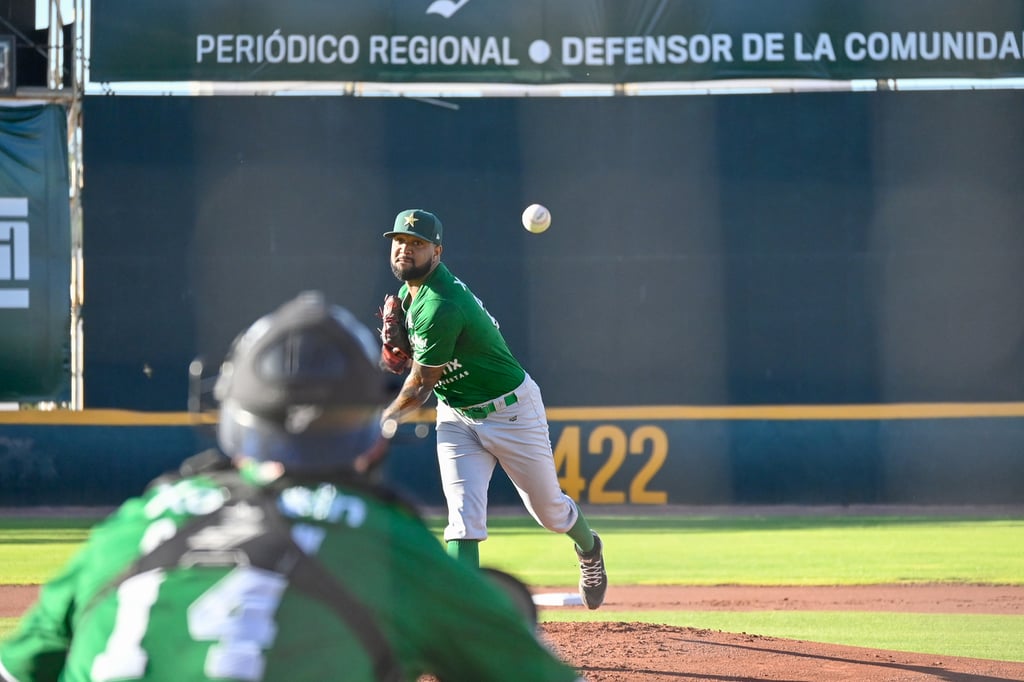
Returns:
(449, 327)
(210, 616)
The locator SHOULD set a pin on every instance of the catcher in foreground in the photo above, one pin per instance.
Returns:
(283, 562)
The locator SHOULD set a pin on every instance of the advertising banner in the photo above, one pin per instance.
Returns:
(35, 255)
(553, 41)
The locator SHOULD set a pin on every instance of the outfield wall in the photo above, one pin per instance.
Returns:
(615, 456)
(787, 249)
(790, 252)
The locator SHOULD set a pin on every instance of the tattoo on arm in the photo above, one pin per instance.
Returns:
(415, 391)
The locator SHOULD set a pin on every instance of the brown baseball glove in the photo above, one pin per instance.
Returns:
(396, 351)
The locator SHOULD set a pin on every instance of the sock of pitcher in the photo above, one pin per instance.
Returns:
(581, 533)
(466, 551)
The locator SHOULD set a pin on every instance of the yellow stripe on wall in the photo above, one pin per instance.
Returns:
(793, 412)
(624, 413)
(105, 418)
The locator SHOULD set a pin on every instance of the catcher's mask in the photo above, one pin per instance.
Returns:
(301, 387)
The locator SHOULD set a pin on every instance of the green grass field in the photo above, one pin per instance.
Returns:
(804, 550)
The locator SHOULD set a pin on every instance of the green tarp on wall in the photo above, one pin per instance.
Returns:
(35, 255)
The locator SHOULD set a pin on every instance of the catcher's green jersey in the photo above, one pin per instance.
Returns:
(449, 326)
(242, 622)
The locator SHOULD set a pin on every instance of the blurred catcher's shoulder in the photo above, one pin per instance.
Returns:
(205, 462)
(517, 591)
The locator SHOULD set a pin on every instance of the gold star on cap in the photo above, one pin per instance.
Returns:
(410, 220)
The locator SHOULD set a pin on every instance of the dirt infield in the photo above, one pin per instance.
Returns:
(641, 652)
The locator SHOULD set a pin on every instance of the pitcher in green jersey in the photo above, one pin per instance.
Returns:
(489, 410)
(285, 562)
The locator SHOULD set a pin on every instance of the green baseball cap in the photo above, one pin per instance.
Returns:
(416, 221)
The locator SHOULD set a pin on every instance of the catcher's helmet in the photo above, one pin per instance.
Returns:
(301, 386)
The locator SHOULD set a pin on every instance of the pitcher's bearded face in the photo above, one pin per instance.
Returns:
(412, 259)
(405, 272)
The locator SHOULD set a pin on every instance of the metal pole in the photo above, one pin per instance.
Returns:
(77, 182)
(55, 56)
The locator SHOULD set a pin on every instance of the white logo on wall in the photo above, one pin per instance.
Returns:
(13, 253)
(446, 8)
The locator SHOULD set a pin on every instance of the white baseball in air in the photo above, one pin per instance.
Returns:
(536, 218)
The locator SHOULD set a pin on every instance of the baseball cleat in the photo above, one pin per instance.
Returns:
(593, 579)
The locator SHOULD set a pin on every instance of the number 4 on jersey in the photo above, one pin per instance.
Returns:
(237, 613)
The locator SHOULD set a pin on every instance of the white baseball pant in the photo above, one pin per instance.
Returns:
(516, 437)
